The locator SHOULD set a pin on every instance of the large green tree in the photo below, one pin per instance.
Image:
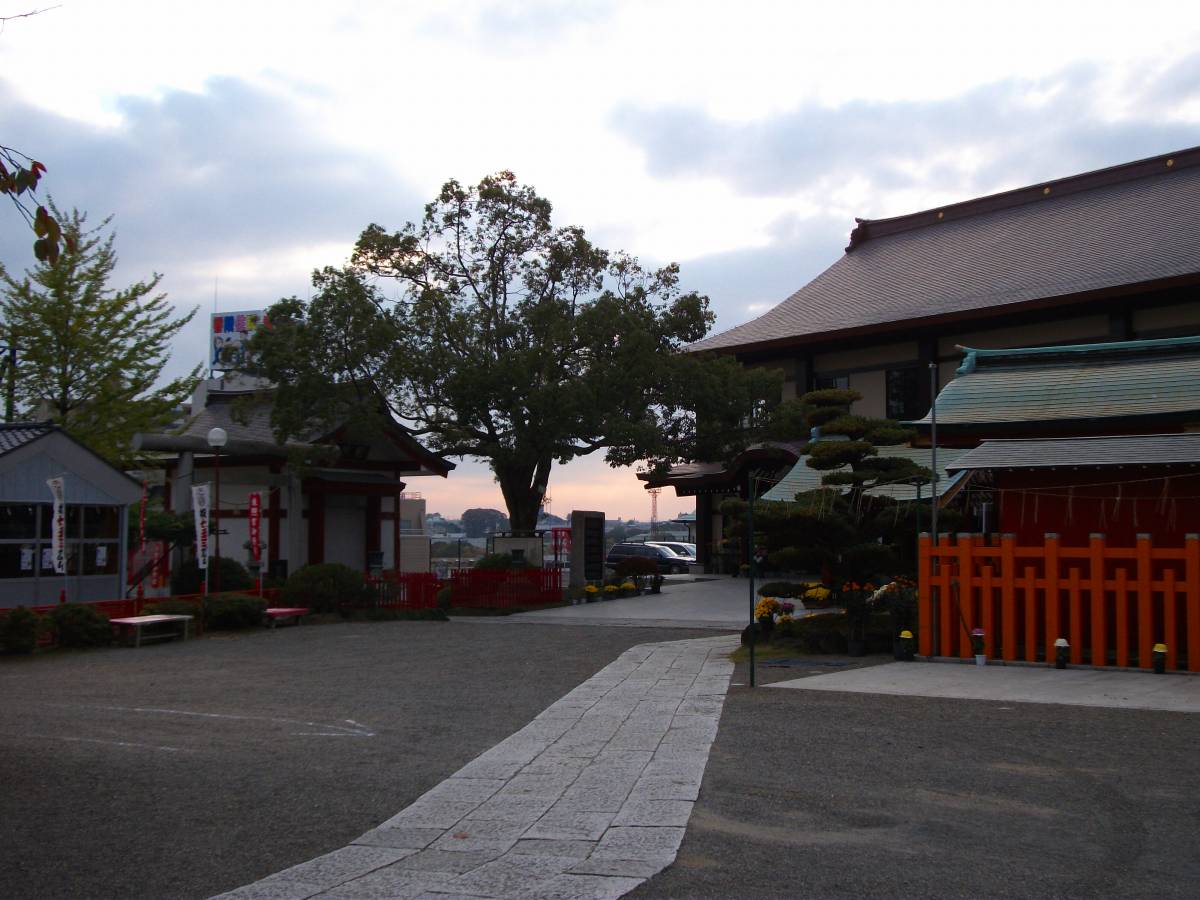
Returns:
(504, 338)
(91, 356)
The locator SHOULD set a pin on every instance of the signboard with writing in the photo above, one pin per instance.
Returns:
(255, 513)
(230, 335)
(200, 511)
(58, 526)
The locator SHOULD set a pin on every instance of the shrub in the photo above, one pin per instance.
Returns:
(19, 630)
(326, 587)
(787, 589)
(78, 625)
(793, 559)
(866, 562)
(233, 611)
(172, 607)
(443, 598)
(636, 566)
(499, 562)
(189, 579)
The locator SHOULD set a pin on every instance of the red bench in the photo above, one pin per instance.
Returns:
(276, 614)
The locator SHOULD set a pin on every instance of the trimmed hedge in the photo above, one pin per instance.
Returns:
(77, 625)
(19, 630)
(327, 587)
(189, 579)
(230, 612)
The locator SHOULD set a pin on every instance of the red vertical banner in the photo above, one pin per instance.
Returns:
(255, 514)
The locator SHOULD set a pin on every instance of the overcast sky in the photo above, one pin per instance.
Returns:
(241, 145)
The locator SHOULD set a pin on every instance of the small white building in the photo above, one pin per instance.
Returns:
(96, 498)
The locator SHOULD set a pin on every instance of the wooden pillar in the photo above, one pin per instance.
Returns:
(1098, 600)
(396, 533)
(1008, 596)
(925, 622)
(373, 522)
(966, 605)
(273, 516)
(1145, 611)
(316, 523)
(1191, 556)
(1052, 596)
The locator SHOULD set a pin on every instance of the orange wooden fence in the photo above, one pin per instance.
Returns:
(1112, 604)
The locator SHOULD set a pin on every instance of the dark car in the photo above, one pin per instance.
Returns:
(668, 562)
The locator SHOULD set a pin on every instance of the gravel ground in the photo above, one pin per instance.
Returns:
(831, 795)
(185, 769)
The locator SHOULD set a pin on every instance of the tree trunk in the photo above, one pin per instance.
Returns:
(523, 487)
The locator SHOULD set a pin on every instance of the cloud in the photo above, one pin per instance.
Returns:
(999, 135)
(233, 184)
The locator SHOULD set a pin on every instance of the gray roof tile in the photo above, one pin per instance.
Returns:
(1083, 452)
(19, 434)
(1132, 224)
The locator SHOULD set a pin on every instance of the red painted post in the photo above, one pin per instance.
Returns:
(1052, 596)
(1145, 609)
(1191, 555)
(987, 612)
(1008, 598)
(925, 623)
(966, 604)
(1076, 618)
(947, 608)
(1122, 616)
(1031, 614)
(1170, 625)
(1096, 585)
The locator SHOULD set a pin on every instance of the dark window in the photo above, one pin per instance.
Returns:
(18, 560)
(17, 520)
(832, 382)
(903, 393)
(100, 521)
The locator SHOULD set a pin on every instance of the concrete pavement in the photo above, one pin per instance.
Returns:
(587, 801)
(720, 603)
(1015, 684)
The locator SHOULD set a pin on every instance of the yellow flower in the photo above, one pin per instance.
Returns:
(785, 619)
(610, 588)
(591, 589)
(628, 586)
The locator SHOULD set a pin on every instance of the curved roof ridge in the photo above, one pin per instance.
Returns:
(867, 229)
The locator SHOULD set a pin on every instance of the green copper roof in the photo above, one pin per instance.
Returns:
(1122, 380)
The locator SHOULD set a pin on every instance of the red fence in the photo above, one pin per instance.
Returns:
(491, 589)
(406, 590)
(1112, 604)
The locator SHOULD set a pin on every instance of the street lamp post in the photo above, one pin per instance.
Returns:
(217, 439)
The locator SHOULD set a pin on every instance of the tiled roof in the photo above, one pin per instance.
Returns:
(1122, 380)
(19, 434)
(1083, 452)
(803, 477)
(248, 429)
(1128, 225)
(684, 474)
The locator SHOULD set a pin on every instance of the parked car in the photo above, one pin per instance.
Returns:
(679, 548)
(669, 563)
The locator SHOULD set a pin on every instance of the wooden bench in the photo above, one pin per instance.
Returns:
(276, 614)
(181, 626)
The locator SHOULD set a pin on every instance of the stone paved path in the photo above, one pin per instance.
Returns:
(588, 800)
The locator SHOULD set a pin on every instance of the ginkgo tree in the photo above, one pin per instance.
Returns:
(90, 356)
